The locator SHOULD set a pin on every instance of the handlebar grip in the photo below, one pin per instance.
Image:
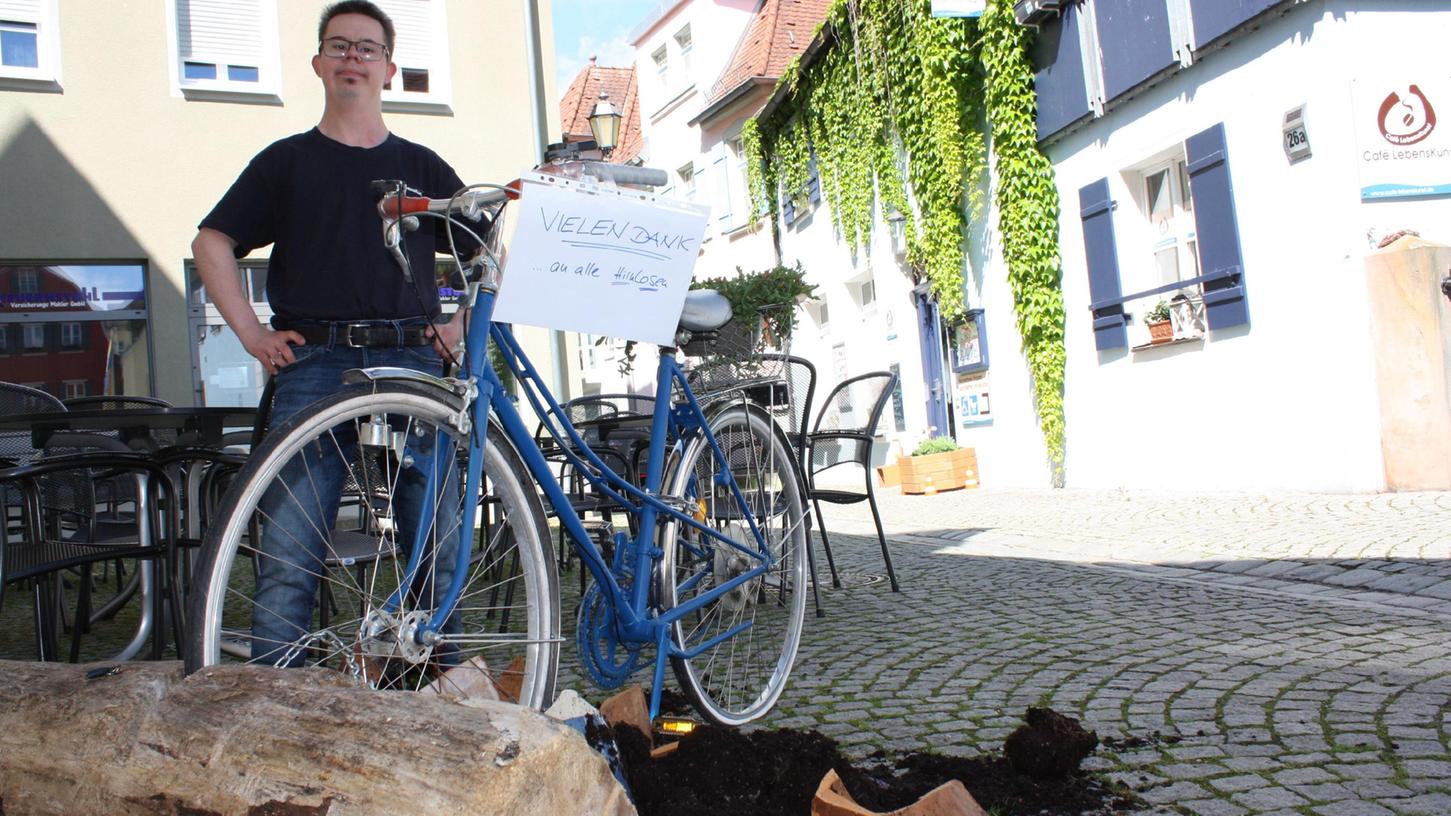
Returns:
(397, 207)
(628, 174)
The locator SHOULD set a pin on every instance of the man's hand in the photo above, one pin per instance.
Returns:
(273, 349)
(448, 338)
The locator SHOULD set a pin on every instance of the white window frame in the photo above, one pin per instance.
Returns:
(69, 332)
(439, 97)
(687, 184)
(268, 86)
(45, 16)
(27, 282)
(73, 388)
(1155, 237)
(1175, 228)
(28, 332)
(684, 43)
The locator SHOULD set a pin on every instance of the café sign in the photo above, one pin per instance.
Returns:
(1402, 138)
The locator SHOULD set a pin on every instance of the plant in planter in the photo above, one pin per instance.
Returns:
(753, 293)
(938, 463)
(1157, 319)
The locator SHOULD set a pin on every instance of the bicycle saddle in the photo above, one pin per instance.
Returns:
(705, 310)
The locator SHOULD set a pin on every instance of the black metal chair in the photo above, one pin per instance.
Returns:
(80, 500)
(582, 499)
(842, 435)
(798, 377)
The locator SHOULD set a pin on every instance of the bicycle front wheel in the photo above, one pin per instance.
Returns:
(736, 678)
(315, 558)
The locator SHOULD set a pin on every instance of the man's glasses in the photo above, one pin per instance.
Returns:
(337, 48)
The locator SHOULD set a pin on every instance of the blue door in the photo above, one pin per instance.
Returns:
(929, 331)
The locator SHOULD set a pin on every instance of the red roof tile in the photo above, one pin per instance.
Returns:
(579, 99)
(779, 32)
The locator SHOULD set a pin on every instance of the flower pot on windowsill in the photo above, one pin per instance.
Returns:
(1161, 331)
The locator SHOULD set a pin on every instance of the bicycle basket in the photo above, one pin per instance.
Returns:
(740, 360)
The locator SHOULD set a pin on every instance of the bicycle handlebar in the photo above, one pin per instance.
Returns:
(469, 203)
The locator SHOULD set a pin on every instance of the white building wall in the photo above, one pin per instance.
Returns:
(857, 340)
(1289, 402)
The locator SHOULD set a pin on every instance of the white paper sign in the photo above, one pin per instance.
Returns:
(599, 260)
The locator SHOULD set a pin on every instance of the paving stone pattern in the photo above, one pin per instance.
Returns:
(1175, 619)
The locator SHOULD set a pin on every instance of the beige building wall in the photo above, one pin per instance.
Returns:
(118, 165)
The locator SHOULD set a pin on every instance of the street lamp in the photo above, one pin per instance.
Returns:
(604, 123)
(897, 225)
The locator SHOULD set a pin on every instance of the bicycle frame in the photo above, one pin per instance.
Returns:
(637, 622)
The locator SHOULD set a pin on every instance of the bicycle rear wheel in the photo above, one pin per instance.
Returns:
(342, 587)
(738, 679)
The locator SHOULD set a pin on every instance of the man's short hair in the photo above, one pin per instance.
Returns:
(363, 7)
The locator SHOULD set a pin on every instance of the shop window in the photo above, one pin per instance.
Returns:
(76, 324)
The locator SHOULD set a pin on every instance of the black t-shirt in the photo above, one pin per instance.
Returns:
(309, 195)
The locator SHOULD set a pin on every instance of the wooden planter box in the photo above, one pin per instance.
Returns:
(889, 475)
(939, 471)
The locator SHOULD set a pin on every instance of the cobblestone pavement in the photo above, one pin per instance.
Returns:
(1254, 644)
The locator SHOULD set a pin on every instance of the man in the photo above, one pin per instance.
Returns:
(340, 300)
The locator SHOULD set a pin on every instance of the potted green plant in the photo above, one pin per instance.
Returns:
(938, 463)
(752, 294)
(1161, 330)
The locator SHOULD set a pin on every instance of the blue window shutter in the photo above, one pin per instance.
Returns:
(788, 209)
(813, 180)
(1225, 302)
(1096, 210)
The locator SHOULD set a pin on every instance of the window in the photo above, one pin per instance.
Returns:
(867, 294)
(1181, 231)
(4, 339)
(1169, 209)
(662, 63)
(420, 50)
(19, 44)
(225, 47)
(687, 181)
(29, 43)
(682, 39)
(76, 323)
(73, 388)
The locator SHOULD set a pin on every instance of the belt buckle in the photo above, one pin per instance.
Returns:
(348, 334)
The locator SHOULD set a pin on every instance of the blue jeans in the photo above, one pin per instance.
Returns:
(300, 509)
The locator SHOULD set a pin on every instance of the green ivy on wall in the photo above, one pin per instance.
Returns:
(897, 110)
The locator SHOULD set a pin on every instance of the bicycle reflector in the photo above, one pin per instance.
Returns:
(675, 725)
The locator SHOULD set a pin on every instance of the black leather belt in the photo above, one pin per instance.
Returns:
(365, 335)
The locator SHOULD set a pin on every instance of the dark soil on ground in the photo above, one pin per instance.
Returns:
(771, 772)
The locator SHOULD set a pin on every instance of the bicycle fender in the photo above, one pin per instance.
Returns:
(452, 392)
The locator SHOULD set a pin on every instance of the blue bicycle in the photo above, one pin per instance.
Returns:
(435, 570)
